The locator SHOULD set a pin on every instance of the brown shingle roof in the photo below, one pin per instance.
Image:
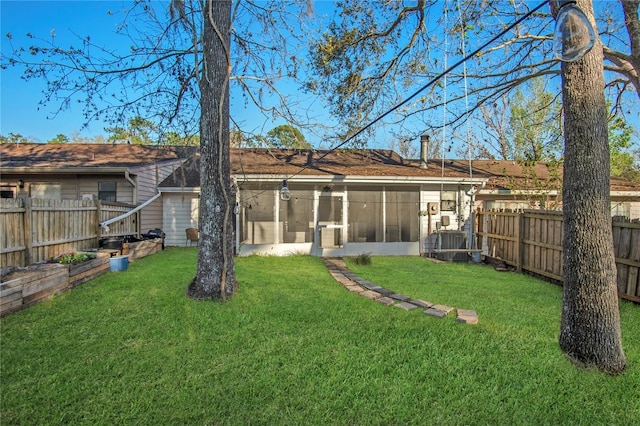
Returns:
(287, 162)
(512, 174)
(501, 174)
(381, 163)
(33, 157)
(375, 162)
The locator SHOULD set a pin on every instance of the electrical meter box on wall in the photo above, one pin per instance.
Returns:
(448, 201)
(433, 208)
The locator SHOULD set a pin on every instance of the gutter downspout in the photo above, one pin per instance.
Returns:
(127, 176)
(106, 223)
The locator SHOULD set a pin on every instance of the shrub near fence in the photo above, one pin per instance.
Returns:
(531, 241)
(33, 230)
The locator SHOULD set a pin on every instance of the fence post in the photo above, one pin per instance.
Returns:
(139, 223)
(28, 230)
(98, 217)
(520, 241)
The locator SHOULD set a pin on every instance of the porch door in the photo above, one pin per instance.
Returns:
(330, 235)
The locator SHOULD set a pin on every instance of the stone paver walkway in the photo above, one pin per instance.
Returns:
(352, 282)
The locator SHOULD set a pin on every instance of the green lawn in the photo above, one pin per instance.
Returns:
(294, 347)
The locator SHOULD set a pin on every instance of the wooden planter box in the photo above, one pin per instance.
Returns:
(26, 286)
(82, 272)
(23, 287)
(144, 248)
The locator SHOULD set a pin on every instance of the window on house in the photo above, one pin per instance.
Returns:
(50, 191)
(107, 191)
(257, 217)
(448, 201)
(401, 216)
(7, 192)
(296, 217)
(365, 216)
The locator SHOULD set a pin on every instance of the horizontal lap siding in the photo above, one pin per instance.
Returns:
(148, 180)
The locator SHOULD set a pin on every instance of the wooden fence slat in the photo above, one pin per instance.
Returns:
(33, 230)
(537, 246)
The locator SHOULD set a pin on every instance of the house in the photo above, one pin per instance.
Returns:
(347, 202)
(519, 186)
(338, 203)
(126, 174)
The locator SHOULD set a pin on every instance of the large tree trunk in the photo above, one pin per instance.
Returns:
(590, 328)
(215, 276)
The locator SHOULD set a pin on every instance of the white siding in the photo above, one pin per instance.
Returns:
(148, 178)
(69, 183)
(180, 213)
(635, 210)
(89, 185)
(431, 194)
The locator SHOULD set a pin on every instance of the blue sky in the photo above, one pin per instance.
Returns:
(19, 100)
(20, 112)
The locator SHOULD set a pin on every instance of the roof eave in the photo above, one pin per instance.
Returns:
(357, 179)
(65, 170)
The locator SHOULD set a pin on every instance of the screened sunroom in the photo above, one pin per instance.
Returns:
(338, 202)
(329, 220)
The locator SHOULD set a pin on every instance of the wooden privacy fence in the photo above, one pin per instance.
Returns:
(34, 230)
(532, 241)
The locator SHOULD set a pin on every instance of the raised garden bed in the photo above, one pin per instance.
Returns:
(143, 248)
(82, 272)
(23, 287)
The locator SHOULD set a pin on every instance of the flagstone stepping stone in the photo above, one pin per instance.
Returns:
(467, 316)
(438, 311)
(385, 292)
(421, 303)
(339, 277)
(435, 313)
(370, 294)
(406, 306)
(344, 281)
(354, 288)
(387, 301)
(400, 297)
(367, 284)
(443, 308)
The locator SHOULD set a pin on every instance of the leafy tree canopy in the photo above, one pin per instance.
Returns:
(139, 131)
(287, 136)
(15, 138)
(377, 52)
(60, 138)
(624, 149)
